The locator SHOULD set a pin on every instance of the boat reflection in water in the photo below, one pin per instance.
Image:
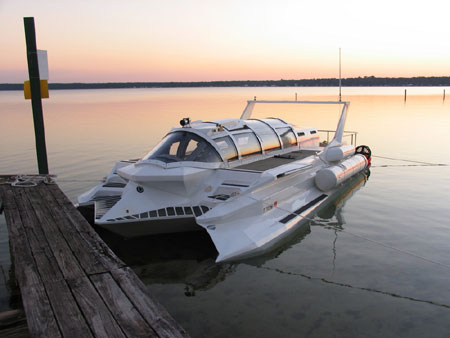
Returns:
(189, 258)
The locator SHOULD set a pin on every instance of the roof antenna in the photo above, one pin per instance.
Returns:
(340, 80)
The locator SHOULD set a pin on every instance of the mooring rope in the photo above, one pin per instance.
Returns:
(417, 163)
(397, 249)
(26, 181)
(428, 260)
(327, 281)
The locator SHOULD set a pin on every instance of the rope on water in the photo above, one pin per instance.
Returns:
(417, 163)
(396, 249)
(347, 285)
(376, 242)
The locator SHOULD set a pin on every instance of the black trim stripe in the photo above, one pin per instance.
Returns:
(288, 218)
(236, 185)
(302, 209)
(114, 185)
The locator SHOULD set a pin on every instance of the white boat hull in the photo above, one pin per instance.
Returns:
(247, 182)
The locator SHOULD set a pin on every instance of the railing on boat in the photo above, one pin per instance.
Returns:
(349, 134)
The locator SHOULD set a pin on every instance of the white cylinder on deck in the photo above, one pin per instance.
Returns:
(339, 153)
(329, 178)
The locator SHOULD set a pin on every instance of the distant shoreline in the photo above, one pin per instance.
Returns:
(367, 81)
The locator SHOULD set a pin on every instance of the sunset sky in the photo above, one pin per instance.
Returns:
(204, 40)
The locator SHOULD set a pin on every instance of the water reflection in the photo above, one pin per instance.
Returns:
(189, 258)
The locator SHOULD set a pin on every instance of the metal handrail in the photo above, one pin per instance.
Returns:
(351, 134)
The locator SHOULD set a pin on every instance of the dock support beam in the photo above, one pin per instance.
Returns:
(36, 103)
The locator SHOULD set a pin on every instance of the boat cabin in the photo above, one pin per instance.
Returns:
(231, 141)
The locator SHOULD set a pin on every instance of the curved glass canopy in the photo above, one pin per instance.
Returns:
(255, 137)
(182, 146)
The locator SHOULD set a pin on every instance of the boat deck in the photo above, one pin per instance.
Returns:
(276, 161)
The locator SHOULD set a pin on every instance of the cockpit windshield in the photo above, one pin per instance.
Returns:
(182, 146)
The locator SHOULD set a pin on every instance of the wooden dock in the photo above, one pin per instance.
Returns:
(72, 284)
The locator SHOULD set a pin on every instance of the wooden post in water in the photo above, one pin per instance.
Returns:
(444, 96)
(405, 96)
(36, 103)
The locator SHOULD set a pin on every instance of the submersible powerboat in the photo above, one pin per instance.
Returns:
(247, 182)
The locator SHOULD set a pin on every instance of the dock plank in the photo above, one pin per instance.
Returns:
(151, 310)
(35, 220)
(97, 315)
(72, 284)
(34, 297)
(78, 222)
(80, 249)
(67, 313)
(121, 307)
(40, 317)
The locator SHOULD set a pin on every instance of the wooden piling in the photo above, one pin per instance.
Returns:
(36, 102)
(405, 96)
(72, 284)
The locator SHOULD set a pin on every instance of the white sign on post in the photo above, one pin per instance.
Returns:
(43, 64)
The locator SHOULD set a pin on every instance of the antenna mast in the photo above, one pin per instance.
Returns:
(340, 80)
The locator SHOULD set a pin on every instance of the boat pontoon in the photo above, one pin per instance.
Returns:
(247, 182)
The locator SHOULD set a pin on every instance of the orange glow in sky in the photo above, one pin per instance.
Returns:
(207, 40)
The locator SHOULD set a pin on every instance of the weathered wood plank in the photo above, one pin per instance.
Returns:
(47, 266)
(154, 313)
(69, 317)
(26, 272)
(36, 237)
(40, 316)
(84, 253)
(34, 296)
(107, 257)
(99, 318)
(35, 219)
(60, 265)
(120, 306)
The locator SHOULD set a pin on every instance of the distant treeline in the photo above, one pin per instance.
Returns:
(366, 81)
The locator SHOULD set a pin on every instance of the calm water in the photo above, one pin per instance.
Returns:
(375, 262)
